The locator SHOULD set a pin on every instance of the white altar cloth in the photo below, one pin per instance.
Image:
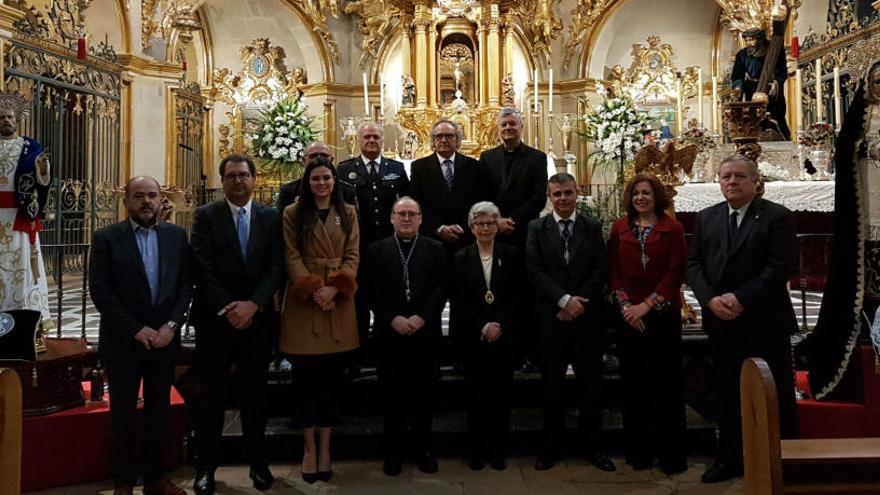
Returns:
(816, 196)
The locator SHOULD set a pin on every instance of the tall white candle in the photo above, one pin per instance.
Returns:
(700, 95)
(715, 104)
(838, 108)
(678, 106)
(382, 95)
(550, 93)
(819, 89)
(366, 97)
(536, 91)
(798, 99)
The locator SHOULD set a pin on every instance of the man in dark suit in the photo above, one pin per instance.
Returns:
(140, 284)
(743, 253)
(566, 266)
(236, 248)
(405, 275)
(379, 182)
(446, 185)
(519, 176)
(288, 192)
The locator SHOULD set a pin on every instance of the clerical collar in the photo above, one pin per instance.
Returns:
(451, 158)
(511, 150)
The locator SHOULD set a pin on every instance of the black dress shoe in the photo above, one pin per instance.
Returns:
(545, 462)
(426, 462)
(204, 483)
(719, 472)
(310, 478)
(638, 463)
(392, 467)
(601, 461)
(261, 477)
(325, 475)
(476, 463)
(498, 464)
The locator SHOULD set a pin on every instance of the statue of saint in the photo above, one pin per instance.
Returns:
(24, 188)
(747, 71)
(508, 93)
(408, 97)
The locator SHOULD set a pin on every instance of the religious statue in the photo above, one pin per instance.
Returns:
(24, 188)
(508, 93)
(853, 273)
(408, 97)
(746, 73)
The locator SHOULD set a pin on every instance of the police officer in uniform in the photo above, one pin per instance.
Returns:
(379, 182)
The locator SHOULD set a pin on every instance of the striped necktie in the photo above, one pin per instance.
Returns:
(447, 174)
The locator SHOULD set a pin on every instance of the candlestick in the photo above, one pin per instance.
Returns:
(550, 93)
(798, 99)
(700, 95)
(715, 104)
(366, 96)
(550, 152)
(838, 109)
(678, 107)
(819, 89)
(537, 120)
(381, 95)
(536, 91)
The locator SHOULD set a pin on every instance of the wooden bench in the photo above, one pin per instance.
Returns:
(815, 466)
(10, 432)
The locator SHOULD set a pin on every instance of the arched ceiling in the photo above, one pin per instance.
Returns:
(687, 25)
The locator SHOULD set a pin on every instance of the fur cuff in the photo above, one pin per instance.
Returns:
(344, 282)
(305, 287)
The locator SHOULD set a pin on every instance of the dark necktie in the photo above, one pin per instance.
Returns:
(448, 174)
(242, 229)
(566, 238)
(732, 227)
(374, 172)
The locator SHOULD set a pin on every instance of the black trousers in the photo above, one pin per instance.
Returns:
(730, 346)
(319, 379)
(581, 346)
(407, 373)
(488, 371)
(220, 348)
(654, 421)
(156, 368)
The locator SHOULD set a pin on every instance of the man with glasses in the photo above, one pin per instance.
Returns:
(405, 278)
(236, 250)
(378, 182)
(288, 192)
(447, 184)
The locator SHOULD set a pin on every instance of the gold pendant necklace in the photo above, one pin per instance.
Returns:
(490, 297)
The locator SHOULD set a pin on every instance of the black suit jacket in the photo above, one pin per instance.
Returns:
(549, 276)
(120, 290)
(471, 312)
(221, 274)
(441, 206)
(383, 281)
(756, 268)
(375, 200)
(520, 191)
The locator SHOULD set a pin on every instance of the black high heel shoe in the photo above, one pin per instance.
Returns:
(310, 478)
(325, 475)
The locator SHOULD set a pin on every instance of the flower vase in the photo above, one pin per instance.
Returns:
(822, 161)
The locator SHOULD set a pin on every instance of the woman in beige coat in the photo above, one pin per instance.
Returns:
(319, 326)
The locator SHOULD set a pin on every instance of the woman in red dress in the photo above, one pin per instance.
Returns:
(647, 252)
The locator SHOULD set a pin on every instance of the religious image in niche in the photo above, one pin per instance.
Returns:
(746, 73)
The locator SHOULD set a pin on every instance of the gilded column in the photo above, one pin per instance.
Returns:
(482, 68)
(406, 22)
(432, 65)
(493, 51)
(421, 22)
(508, 44)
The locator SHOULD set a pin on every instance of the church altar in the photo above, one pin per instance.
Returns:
(800, 196)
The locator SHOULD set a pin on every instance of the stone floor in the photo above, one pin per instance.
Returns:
(366, 478)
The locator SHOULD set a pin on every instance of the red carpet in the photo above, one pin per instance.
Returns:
(73, 446)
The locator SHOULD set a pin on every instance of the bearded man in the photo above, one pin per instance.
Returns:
(747, 70)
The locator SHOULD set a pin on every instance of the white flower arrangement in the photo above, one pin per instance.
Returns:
(282, 134)
(615, 128)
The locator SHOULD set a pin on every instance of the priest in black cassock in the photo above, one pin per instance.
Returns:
(747, 70)
(406, 277)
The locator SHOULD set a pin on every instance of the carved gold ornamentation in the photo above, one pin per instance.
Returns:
(743, 119)
(419, 121)
(508, 91)
(160, 17)
(742, 15)
(540, 20)
(56, 27)
(583, 18)
(318, 11)
(59, 68)
(376, 17)
(861, 56)
(264, 76)
(653, 76)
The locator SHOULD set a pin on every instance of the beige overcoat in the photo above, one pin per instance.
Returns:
(328, 257)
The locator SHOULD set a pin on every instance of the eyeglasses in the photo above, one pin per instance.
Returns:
(492, 223)
(440, 137)
(407, 214)
(237, 177)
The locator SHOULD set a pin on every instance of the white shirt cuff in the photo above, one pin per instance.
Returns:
(563, 301)
(440, 229)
